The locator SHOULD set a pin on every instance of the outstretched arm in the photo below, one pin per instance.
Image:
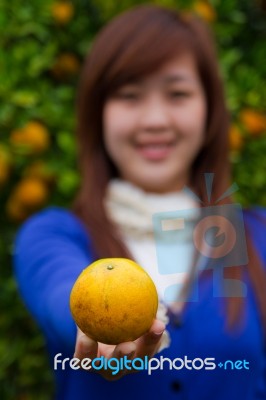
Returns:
(51, 249)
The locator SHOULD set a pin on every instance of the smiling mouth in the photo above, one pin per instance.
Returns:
(155, 151)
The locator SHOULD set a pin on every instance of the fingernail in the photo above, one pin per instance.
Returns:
(158, 333)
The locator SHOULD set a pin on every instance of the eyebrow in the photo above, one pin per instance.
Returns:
(176, 78)
(167, 79)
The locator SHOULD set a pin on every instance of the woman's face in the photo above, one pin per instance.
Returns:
(155, 127)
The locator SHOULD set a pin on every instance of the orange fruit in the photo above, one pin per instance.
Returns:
(66, 65)
(62, 11)
(254, 121)
(27, 196)
(34, 137)
(235, 138)
(114, 300)
(204, 10)
(5, 165)
(31, 192)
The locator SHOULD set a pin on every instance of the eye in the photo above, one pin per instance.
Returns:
(177, 94)
(128, 92)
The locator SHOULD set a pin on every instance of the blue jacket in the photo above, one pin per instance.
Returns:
(53, 247)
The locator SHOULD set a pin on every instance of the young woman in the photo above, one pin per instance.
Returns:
(151, 121)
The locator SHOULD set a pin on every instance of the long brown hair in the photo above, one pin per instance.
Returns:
(132, 45)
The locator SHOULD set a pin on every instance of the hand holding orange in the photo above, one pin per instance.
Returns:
(114, 300)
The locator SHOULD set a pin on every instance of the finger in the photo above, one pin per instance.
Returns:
(148, 343)
(124, 349)
(85, 347)
(121, 350)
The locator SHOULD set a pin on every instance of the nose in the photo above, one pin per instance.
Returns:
(155, 115)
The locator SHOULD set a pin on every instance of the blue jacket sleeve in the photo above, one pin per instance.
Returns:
(50, 251)
(256, 217)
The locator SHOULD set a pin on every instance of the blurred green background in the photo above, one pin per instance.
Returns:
(42, 46)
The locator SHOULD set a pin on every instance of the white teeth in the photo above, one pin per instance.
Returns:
(156, 146)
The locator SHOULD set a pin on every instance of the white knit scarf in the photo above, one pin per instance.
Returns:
(132, 210)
